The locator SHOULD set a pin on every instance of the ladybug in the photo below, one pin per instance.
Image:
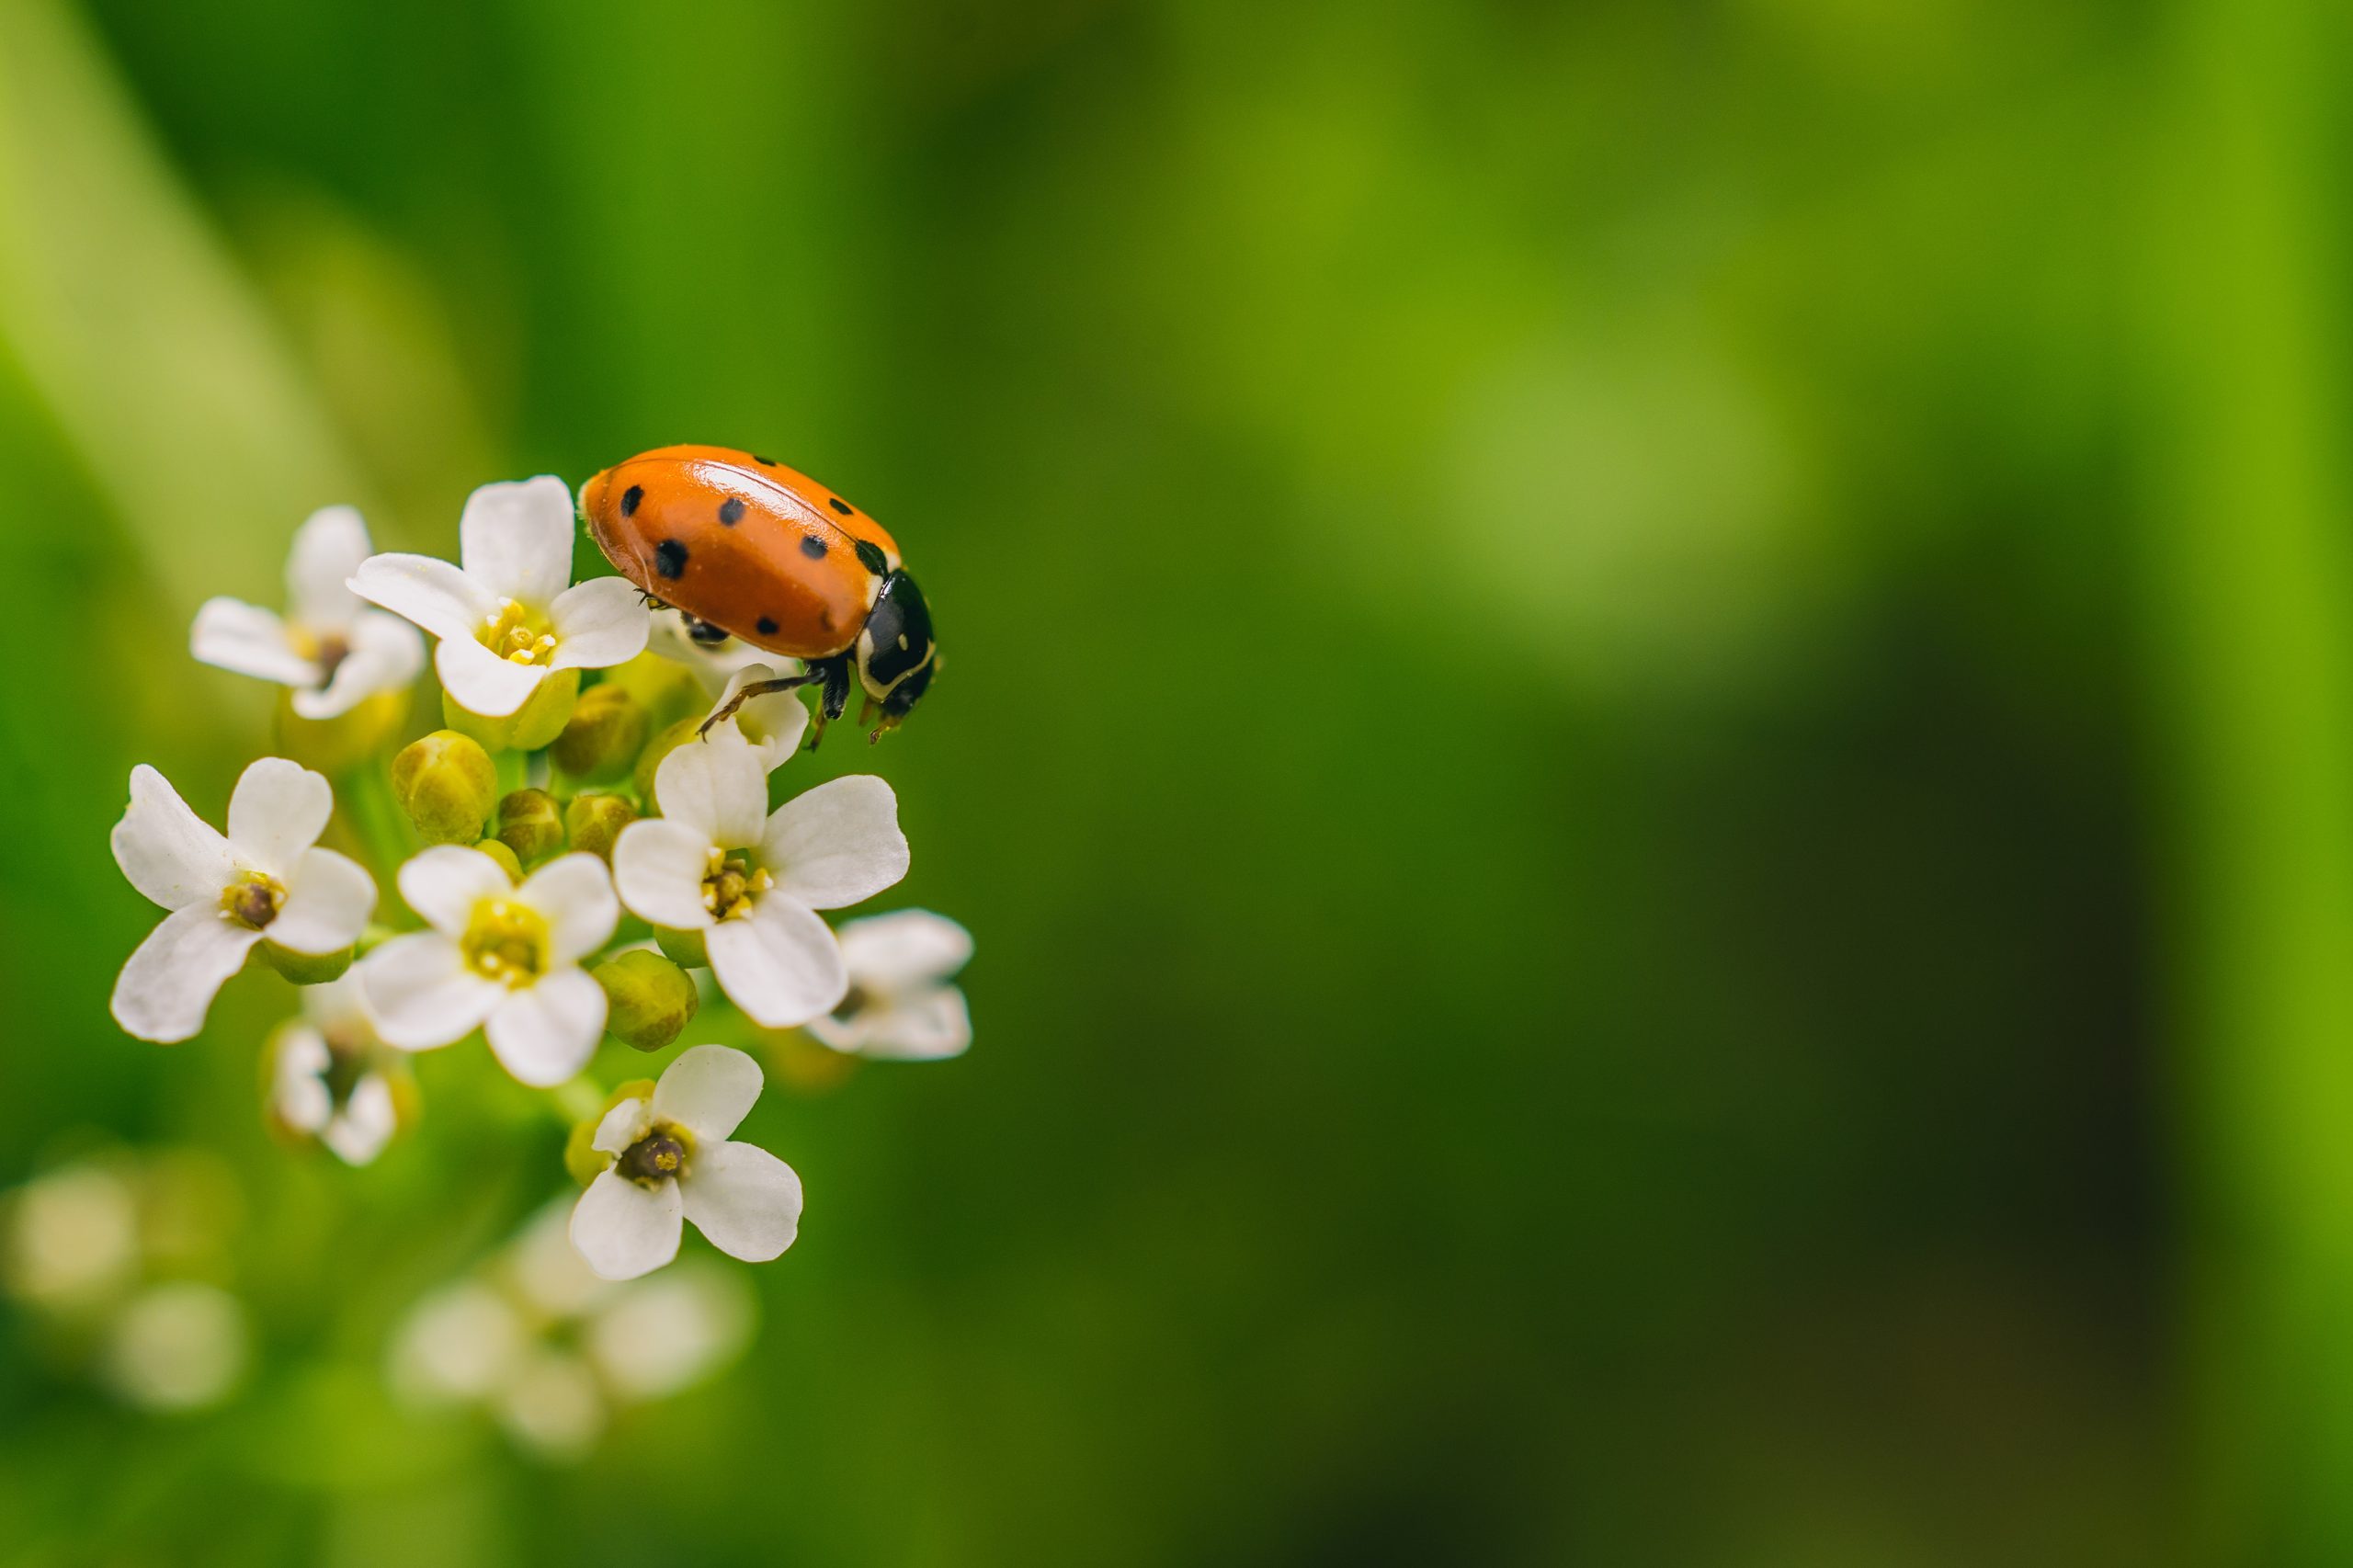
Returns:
(745, 547)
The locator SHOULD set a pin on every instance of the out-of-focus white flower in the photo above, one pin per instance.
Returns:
(177, 1346)
(662, 1336)
(717, 863)
(772, 723)
(901, 1003)
(263, 879)
(73, 1238)
(547, 1346)
(331, 648)
(505, 617)
(671, 1158)
(499, 958)
(325, 1078)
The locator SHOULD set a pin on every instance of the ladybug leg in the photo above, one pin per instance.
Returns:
(836, 674)
(751, 689)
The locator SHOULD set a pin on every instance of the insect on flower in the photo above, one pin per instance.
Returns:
(752, 550)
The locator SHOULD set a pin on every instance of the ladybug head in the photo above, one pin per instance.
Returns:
(896, 655)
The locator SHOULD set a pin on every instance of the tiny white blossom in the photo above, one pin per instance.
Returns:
(901, 1003)
(750, 883)
(501, 1340)
(671, 1160)
(773, 722)
(324, 1079)
(499, 958)
(330, 647)
(177, 1346)
(225, 893)
(505, 619)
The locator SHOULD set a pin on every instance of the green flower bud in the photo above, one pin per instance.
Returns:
(581, 1156)
(606, 731)
(334, 746)
(446, 784)
(306, 968)
(531, 824)
(529, 728)
(651, 1000)
(498, 851)
(686, 949)
(650, 759)
(594, 822)
(665, 688)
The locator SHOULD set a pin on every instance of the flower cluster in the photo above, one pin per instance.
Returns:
(578, 858)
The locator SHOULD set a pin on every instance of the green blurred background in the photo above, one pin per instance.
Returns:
(1649, 728)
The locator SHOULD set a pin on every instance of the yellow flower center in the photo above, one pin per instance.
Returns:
(517, 635)
(327, 653)
(732, 884)
(658, 1157)
(253, 900)
(506, 941)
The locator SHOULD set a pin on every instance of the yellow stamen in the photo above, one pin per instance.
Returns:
(506, 941)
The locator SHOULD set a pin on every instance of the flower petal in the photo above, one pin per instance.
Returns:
(277, 811)
(624, 1230)
(772, 723)
(743, 1198)
(386, 654)
(423, 993)
(836, 843)
(299, 1091)
(903, 949)
(170, 854)
(328, 901)
(658, 868)
(622, 1126)
(232, 635)
(516, 540)
(716, 786)
(328, 548)
(575, 892)
(445, 882)
(545, 1032)
(599, 622)
(434, 594)
(481, 682)
(782, 966)
(169, 985)
(926, 1027)
(367, 1124)
(707, 1091)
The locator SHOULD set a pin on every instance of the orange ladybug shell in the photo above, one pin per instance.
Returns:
(745, 543)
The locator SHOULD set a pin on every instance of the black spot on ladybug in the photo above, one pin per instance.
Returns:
(872, 558)
(838, 504)
(763, 463)
(630, 498)
(731, 511)
(812, 547)
(670, 559)
(767, 627)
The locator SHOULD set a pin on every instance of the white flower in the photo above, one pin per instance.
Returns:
(73, 1238)
(226, 893)
(324, 1080)
(499, 958)
(332, 649)
(750, 883)
(505, 619)
(503, 1339)
(671, 1158)
(177, 1346)
(901, 1005)
(773, 722)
